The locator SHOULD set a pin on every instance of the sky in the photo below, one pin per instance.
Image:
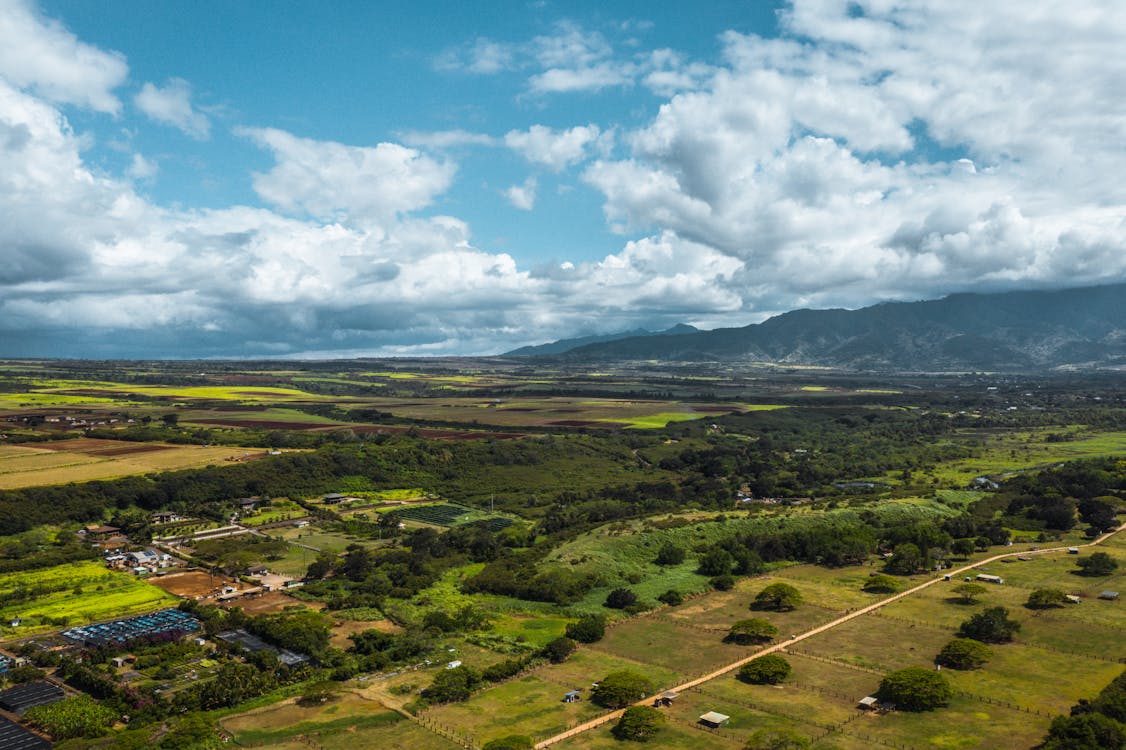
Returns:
(283, 179)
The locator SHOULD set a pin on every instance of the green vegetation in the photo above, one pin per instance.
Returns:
(916, 689)
(964, 653)
(1046, 599)
(72, 717)
(780, 597)
(638, 723)
(619, 689)
(992, 625)
(751, 631)
(765, 670)
(1098, 564)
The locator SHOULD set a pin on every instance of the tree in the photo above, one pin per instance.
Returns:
(638, 723)
(170, 419)
(968, 592)
(511, 742)
(559, 649)
(915, 689)
(879, 583)
(619, 689)
(781, 597)
(963, 547)
(777, 739)
(1090, 731)
(672, 597)
(669, 554)
(620, 599)
(963, 653)
(751, 631)
(1097, 565)
(588, 629)
(452, 685)
(990, 626)
(716, 562)
(321, 566)
(723, 583)
(318, 692)
(905, 560)
(1046, 599)
(765, 670)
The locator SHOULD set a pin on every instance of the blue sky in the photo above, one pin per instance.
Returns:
(217, 179)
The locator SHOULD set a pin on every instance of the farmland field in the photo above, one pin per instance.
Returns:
(73, 594)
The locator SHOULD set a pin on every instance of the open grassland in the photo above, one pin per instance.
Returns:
(82, 459)
(73, 594)
(340, 719)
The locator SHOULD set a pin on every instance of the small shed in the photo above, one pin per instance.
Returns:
(714, 719)
(1072, 598)
(572, 696)
(1108, 595)
(1073, 550)
(333, 498)
(987, 578)
(868, 703)
(454, 664)
(664, 700)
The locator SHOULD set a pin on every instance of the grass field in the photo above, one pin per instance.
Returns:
(73, 594)
(82, 459)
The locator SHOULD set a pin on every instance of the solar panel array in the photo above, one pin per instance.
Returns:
(15, 737)
(119, 632)
(22, 697)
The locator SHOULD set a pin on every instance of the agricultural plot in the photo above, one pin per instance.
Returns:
(72, 594)
(444, 514)
(341, 720)
(661, 642)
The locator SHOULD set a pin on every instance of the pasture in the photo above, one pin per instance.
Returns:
(72, 594)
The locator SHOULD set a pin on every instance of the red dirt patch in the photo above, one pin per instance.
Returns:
(269, 602)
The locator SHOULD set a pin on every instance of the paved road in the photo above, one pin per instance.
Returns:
(599, 721)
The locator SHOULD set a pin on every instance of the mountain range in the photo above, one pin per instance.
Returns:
(566, 345)
(1015, 331)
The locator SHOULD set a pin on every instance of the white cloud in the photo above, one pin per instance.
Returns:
(554, 149)
(443, 139)
(523, 196)
(172, 105)
(39, 54)
(338, 182)
(141, 168)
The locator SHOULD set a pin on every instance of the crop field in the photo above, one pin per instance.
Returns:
(72, 594)
(341, 719)
(83, 459)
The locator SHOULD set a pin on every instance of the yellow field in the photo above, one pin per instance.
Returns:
(85, 460)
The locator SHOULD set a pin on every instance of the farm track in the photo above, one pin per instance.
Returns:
(782, 646)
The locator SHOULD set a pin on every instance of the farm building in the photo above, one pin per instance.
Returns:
(987, 578)
(454, 664)
(144, 557)
(1073, 550)
(118, 632)
(333, 498)
(99, 532)
(28, 695)
(254, 644)
(165, 516)
(572, 696)
(664, 700)
(248, 504)
(868, 703)
(714, 719)
(15, 737)
(5, 663)
(1108, 595)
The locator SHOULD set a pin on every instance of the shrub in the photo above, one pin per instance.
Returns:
(452, 685)
(669, 554)
(1046, 599)
(766, 670)
(672, 597)
(620, 599)
(751, 631)
(990, 626)
(558, 650)
(881, 583)
(724, 582)
(780, 597)
(915, 689)
(963, 653)
(1098, 564)
(619, 689)
(588, 629)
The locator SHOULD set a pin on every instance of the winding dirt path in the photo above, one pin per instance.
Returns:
(605, 718)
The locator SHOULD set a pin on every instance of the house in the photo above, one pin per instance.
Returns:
(454, 664)
(300, 524)
(165, 516)
(98, 533)
(1108, 595)
(572, 697)
(714, 719)
(868, 703)
(664, 700)
(333, 498)
(257, 570)
(248, 504)
(986, 578)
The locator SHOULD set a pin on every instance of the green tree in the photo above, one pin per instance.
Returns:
(765, 670)
(672, 597)
(879, 583)
(559, 649)
(619, 689)
(316, 693)
(990, 626)
(781, 597)
(588, 629)
(716, 562)
(915, 689)
(670, 554)
(969, 592)
(963, 653)
(1046, 599)
(1091, 731)
(905, 560)
(1097, 565)
(511, 742)
(723, 582)
(963, 547)
(452, 685)
(72, 717)
(638, 723)
(322, 565)
(777, 739)
(620, 599)
(751, 631)
(170, 419)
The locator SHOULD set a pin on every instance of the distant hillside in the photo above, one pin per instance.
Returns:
(566, 345)
(1004, 331)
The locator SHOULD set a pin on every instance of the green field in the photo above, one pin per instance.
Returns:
(73, 594)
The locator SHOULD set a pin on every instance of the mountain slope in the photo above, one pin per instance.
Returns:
(566, 345)
(1003, 331)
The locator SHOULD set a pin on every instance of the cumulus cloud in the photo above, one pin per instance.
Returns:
(172, 105)
(334, 181)
(444, 139)
(523, 196)
(141, 168)
(554, 149)
(39, 54)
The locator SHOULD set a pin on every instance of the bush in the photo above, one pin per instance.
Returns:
(452, 685)
(963, 653)
(777, 739)
(558, 650)
(672, 597)
(619, 689)
(880, 583)
(751, 631)
(588, 629)
(724, 582)
(502, 670)
(638, 723)
(780, 597)
(766, 670)
(669, 554)
(990, 626)
(1046, 599)
(1097, 565)
(620, 599)
(915, 689)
